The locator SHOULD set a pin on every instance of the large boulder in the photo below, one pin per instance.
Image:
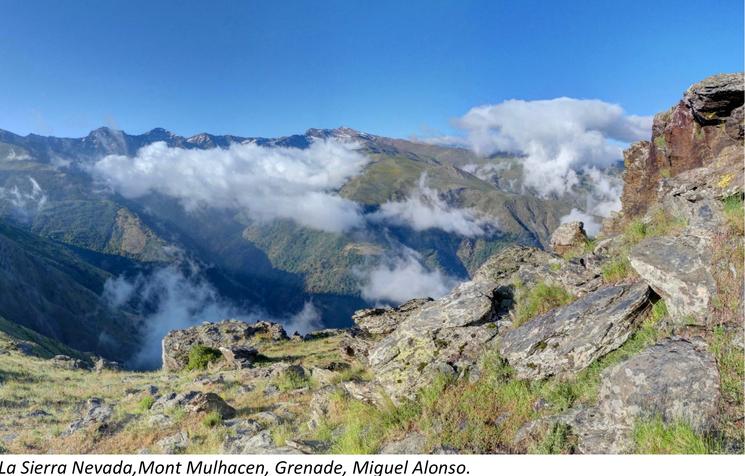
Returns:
(568, 339)
(227, 334)
(676, 380)
(678, 269)
(713, 99)
(569, 238)
(448, 335)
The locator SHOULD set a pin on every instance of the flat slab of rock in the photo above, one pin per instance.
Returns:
(381, 321)
(228, 334)
(676, 380)
(568, 339)
(677, 268)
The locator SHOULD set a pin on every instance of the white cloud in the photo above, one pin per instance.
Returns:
(267, 182)
(26, 199)
(404, 277)
(424, 209)
(557, 137)
(591, 223)
(305, 321)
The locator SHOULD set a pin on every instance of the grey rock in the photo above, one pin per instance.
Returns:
(715, 97)
(568, 339)
(411, 444)
(260, 443)
(382, 321)
(208, 403)
(231, 333)
(101, 364)
(448, 335)
(676, 380)
(174, 444)
(96, 414)
(68, 363)
(568, 237)
(240, 357)
(173, 400)
(678, 269)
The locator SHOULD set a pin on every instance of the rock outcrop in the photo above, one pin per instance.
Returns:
(569, 238)
(706, 122)
(568, 339)
(678, 269)
(229, 334)
(676, 380)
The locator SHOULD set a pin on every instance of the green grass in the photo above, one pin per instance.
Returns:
(654, 436)
(659, 224)
(616, 270)
(200, 357)
(145, 403)
(735, 213)
(731, 366)
(538, 299)
(212, 419)
(558, 440)
(291, 380)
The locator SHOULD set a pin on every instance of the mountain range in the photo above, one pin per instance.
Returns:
(69, 240)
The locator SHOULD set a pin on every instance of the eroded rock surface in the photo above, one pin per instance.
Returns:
(568, 339)
(678, 269)
(675, 379)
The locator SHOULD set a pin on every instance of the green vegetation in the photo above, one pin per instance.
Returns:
(616, 270)
(290, 380)
(355, 373)
(735, 213)
(731, 366)
(538, 299)
(558, 440)
(661, 223)
(654, 436)
(200, 356)
(145, 403)
(212, 419)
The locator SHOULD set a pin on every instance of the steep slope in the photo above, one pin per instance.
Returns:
(49, 289)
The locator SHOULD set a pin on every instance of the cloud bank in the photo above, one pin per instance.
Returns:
(267, 182)
(25, 201)
(557, 137)
(401, 278)
(424, 209)
(175, 297)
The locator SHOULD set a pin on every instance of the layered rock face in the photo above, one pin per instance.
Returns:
(705, 123)
(568, 339)
(233, 338)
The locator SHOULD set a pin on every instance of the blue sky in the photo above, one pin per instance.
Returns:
(388, 67)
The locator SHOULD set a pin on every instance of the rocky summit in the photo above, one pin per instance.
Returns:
(628, 342)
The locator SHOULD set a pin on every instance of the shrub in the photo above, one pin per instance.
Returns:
(212, 419)
(200, 357)
(537, 300)
(145, 403)
(654, 436)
